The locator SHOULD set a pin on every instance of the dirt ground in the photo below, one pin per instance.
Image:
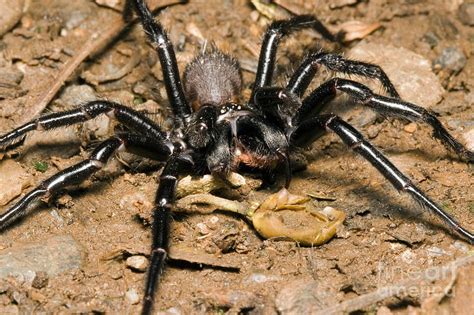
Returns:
(386, 239)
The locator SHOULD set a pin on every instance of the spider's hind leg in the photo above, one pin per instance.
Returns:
(79, 172)
(354, 140)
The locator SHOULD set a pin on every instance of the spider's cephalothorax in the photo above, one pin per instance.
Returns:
(215, 131)
(229, 132)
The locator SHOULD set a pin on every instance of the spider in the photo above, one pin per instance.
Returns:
(215, 132)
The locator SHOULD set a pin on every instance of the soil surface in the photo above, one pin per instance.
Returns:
(223, 265)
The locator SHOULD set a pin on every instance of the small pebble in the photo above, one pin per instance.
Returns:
(137, 263)
(116, 274)
(57, 217)
(132, 296)
(469, 138)
(10, 76)
(114, 4)
(260, 278)
(214, 219)
(451, 58)
(76, 95)
(203, 228)
(337, 4)
(410, 128)
(18, 297)
(171, 311)
(254, 15)
(41, 280)
(37, 296)
(466, 13)
(75, 19)
(431, 39)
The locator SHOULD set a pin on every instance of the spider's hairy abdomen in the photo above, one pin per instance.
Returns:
(212, 78)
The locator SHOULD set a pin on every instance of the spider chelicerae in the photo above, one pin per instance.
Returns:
(214, 132)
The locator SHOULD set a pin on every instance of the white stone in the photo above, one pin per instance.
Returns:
(137, 263)
(132, 296)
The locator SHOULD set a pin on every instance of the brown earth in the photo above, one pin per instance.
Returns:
(386, 239)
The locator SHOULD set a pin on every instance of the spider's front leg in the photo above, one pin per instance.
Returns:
(354, 140)
(302, 77)
(161, 224)
(276, 31)
(158, 37)
(129, 117)
(73, 175)
(318, 100)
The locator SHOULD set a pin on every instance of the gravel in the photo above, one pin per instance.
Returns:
(466, 13)
(137, 263)
(452, 59)
(132, 296)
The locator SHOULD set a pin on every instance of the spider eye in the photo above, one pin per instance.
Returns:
(202, 127)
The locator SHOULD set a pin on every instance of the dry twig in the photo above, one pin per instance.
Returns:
(98, 40)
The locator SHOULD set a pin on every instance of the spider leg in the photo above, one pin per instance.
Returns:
(161, 225)
(319, 98)
(158, 37)
(77, 173)
(302, 77)
(278, 105)
(354, 139)
(276, 31)
(129, 117)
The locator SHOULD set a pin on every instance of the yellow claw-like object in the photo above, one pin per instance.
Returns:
(290, 216)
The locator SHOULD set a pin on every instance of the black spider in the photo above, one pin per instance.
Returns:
(214, 132)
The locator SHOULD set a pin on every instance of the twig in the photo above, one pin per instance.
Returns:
(400, 289)
(207, 203)
(35, 106)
